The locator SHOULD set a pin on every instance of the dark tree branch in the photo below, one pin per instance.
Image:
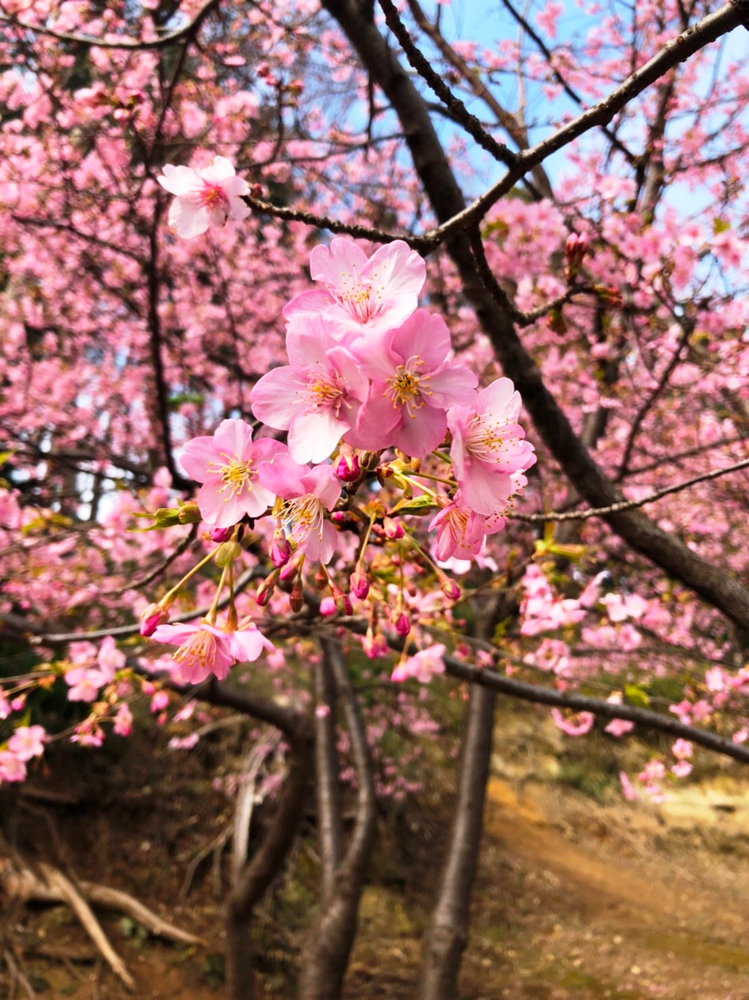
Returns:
(327, 787)
(125, 43)
(447, 935)
(457, 109)
(436, 175)
(326, 954)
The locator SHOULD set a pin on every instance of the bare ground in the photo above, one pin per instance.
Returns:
(577, 896)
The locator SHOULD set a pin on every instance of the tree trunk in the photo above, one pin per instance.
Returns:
(327, 788)
(326, 954)
(447, 935)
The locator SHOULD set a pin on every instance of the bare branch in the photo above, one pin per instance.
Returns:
(124, 43)
(617, 508)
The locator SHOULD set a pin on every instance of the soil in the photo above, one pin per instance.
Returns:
(579, 894)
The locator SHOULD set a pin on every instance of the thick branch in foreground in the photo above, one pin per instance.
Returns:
(538, 695)
(326, 953)
(713, 584)
(327, 787)
(447, 935)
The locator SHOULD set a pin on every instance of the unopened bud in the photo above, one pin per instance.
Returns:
(220, 534)
(402, 623)
(393, 529)
(338, 516)
(343, 603)
(189, 513)
(280, 550)
(347, 468)
(151, 618)
(296, 598)
(288, 571)
(360, 583)
(265, 590)
(449, 588)
(327, 607)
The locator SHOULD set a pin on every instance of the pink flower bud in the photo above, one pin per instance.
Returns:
(338, 516)
(221, 534)
(449, 588)
(343, 603)
(152, 617)
(360, 583)
(393, 529)
(280, 550)
(327, 607)
(347, 468)
(402, 623)
(265, 590)
(296, 598)
(288, 570)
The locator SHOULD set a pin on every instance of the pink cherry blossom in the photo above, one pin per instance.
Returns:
(27, 742)
(488, 446)
(316, 397)
(205, 197)
(307, 493)
(12, 768)
(577, 725)
(227, 466)
(618, 727)
(362, 296)
(206, 649)
(123, 721)
(422, 666)
(413, 385)
(461, 533)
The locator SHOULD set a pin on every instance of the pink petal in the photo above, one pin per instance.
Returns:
(220, 510)
(484, 489)
(180, 181)
(454, 384)
(323, 483)
(314, 434)
(187, 220)
(233, 438)
(425, 335)
(196, 458)
(500, 399)
(276, 398)
(283, 476)
(377, 418)
(342, 258)
(422, 433)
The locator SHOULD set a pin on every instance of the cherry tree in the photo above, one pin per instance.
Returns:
(333, 337)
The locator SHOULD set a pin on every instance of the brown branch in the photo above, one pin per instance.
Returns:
(650, 401)
(563, 83)
(515, 129)
(457, 109)
(164, 565)
(622, 505)
(125, 43)
(705, 31)
(419, 243)
(327, 787)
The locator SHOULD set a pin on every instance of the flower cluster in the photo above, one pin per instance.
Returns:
(371, 402)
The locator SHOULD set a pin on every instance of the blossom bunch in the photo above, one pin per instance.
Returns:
(371, 420)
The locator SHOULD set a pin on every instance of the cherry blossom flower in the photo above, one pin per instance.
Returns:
(422, 666)
(461, 533)
(12, 768)
(488, 446)
(307, 494)
(362, 296)
(413, 385)
(123, 721)
(227, 466)
(27, 742)
(316, 397)
(577, 725)
(206, 649)
(205, 197)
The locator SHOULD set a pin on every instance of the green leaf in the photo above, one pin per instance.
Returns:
(636, 696)
(415, 505)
